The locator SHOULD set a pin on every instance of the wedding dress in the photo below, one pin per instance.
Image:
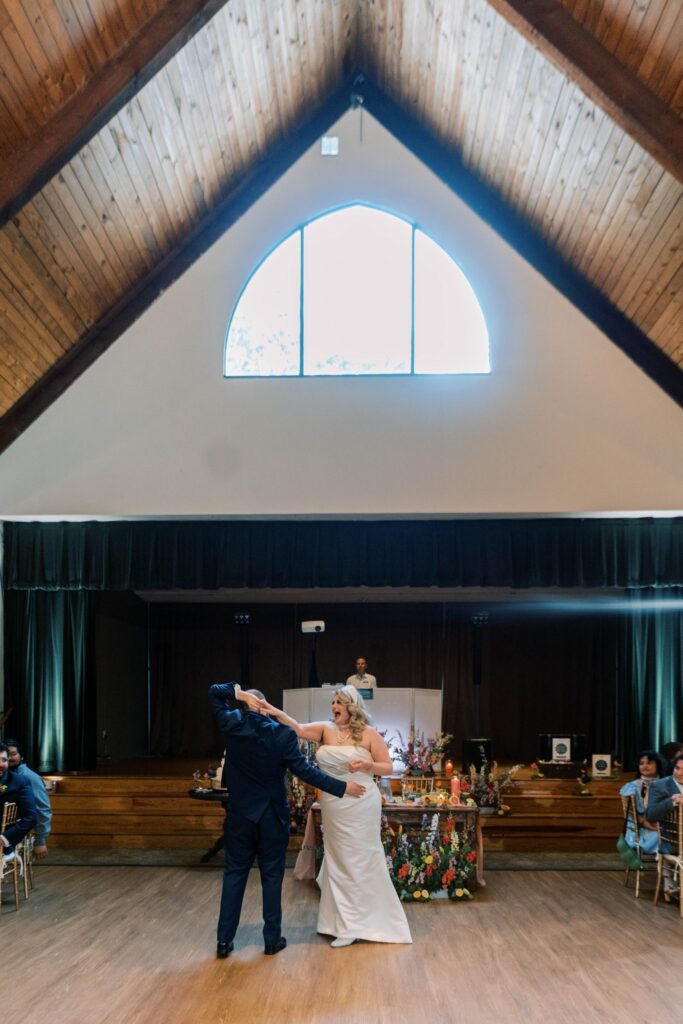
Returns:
(357, 898)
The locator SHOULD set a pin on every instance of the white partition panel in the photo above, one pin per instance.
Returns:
(393, 709)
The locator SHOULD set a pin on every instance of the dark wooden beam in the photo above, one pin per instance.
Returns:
(525, 239)
(236, 203)
(41, 156)
(603, 79)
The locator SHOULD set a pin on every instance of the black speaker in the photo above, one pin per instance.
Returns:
(475, 752)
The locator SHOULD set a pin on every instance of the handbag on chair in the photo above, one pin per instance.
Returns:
(628, 854)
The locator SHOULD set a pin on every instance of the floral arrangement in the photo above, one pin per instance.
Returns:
(484, 787)
(430, 865)
(204, 779)
(420, 754)
(299, 793)
(301, 796)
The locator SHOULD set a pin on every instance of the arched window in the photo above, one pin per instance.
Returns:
(356, 291)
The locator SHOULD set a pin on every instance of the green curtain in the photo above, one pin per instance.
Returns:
(652, 674)
(50, 677)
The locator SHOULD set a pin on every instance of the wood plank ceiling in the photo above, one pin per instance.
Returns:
(126, 201)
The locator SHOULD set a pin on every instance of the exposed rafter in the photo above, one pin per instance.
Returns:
(606, 82)
(103, 334)
(42, 155)
(524, 238)
(442, 161)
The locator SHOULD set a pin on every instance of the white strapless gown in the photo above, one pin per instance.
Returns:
(357, 898)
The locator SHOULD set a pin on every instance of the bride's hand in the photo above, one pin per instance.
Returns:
(361, 765)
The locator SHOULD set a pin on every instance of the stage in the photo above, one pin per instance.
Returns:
(143, 804)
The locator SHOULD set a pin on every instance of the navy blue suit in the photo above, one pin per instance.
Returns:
(258, 751)
(18, 792)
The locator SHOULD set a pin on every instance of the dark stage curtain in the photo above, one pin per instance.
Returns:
(652, 676)
(50, 677)
(194, 645)
(543, 674)
(552, 674)
(467, 553)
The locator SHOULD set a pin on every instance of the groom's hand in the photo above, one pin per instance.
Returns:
(354, 789)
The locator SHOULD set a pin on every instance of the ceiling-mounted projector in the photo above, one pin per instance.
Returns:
(313, 626)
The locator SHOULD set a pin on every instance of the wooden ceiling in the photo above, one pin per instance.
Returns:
(126, 124)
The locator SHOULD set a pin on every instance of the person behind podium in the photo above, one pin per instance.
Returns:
(257, 753)
(362, 680)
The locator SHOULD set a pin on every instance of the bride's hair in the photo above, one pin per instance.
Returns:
(358, 716)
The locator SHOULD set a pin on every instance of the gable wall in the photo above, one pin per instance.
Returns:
(565, 423)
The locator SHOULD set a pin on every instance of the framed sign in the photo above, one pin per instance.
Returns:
(602, 765)
(561, 748)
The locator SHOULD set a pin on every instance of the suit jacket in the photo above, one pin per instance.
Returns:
(18, 792)
(258, 750)
(659, 802)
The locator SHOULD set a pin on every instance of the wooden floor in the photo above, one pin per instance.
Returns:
(136, 945)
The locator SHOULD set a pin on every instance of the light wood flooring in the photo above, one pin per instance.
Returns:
(127, 945)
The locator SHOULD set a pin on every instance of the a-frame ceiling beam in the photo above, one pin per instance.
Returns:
(41, 156)
(603, 79)
(132, 305)
(522, 236)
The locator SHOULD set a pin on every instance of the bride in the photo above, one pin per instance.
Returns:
(357, 898)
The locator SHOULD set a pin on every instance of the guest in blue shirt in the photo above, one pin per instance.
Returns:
(650, 768)
(40, 795)
(14, 790)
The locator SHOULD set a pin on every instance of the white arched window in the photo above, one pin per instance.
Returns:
(356, 291)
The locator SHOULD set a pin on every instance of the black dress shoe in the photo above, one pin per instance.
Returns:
(280, 944)
(223, 950)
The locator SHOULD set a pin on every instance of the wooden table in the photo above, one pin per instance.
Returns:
(397, 813)
(211, 796)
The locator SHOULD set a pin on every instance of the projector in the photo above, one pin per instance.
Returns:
(313, 626)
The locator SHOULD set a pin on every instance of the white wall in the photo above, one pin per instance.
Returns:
(565, 423)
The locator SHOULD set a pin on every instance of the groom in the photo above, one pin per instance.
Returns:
(258, 751)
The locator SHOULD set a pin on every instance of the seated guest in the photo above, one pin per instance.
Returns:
(15, 790)
(670, 752)
(665, 795)
(362, 680)
(18, 767)
(650, 768)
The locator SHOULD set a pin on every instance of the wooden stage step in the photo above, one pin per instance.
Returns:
(156, 812)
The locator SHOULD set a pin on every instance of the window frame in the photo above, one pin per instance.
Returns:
(411, 373)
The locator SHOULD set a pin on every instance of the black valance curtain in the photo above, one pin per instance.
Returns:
(454, 553)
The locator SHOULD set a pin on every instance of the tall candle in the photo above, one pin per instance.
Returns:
(455, 788)
(449, 769)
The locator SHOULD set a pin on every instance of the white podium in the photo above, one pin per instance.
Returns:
(392, 708)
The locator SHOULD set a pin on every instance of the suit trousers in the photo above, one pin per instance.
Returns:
(266, 841)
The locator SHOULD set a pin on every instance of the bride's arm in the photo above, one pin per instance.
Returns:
(308, 731)
(381, 763)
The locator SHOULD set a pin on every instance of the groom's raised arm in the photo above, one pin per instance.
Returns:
(224, 706)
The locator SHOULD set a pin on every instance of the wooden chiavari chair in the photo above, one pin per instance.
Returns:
(671, 837)
(28, 843)
(11, 862)
(632, 824)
